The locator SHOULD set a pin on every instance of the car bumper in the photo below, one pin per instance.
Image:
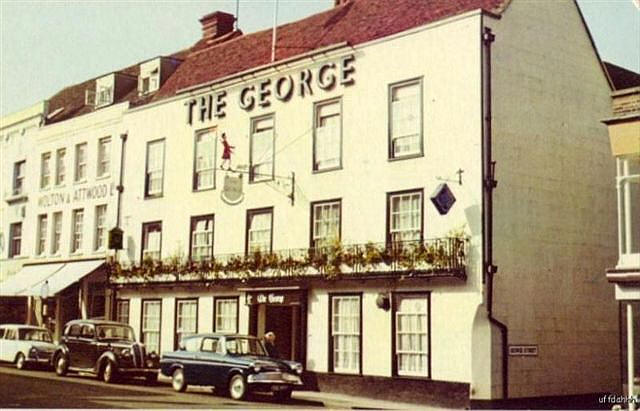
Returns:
(39, 361)
(138, 372)
(274, 378)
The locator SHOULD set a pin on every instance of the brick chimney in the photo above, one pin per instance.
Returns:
(216, 24)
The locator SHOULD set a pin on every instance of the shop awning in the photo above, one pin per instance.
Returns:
(29, 280)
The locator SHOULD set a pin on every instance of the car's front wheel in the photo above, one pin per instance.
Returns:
(20, 361)
(109, 372)
(177, 380)
(238, 388)
(61, 365)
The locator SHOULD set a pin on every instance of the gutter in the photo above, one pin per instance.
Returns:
(489, 183)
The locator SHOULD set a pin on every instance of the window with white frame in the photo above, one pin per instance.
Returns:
(81, 162)
(155, 168)
(61, 169)
(262, 149)
(345, 333)
(122, 311)
(411, 321)
(226, 315)
(628, 172)
(259, 225)
(186, 319)
(76, 230)
(202, 238)
(151, 310)
(325, 223)
(105, 95)
(104, 156)
(151, 240)
(327, 136)
(42, 234)
(204, 161)
(405, 216)
(45, 170)
(56, 232)
(405, 118)
(15, 240)
(18, 177)
(101, 227)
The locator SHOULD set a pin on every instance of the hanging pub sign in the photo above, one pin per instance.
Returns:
(304, 83)
(232, 190)
(443, 198)
(275, 297)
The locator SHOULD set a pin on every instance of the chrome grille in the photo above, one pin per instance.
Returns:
(138, 356)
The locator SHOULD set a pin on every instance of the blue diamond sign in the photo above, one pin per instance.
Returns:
(443, 199)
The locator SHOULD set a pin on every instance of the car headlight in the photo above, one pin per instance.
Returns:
(33, 352)
(256, 367)
(297, 368)
(126, 352)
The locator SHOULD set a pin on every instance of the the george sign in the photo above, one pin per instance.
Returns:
(75, 195)
(523, 350)
(325, 77)
(232, 191)
(275, 297)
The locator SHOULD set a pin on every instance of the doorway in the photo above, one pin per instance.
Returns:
(282, 320)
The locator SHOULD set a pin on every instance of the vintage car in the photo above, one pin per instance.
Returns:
(25, 345)
(236, 364)
(105, 349)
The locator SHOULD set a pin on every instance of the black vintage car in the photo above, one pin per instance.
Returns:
(106, 349)
(237, 364)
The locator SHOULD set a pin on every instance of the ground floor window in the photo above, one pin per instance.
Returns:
(151, 317)
(345, 342)
(122, 311)
(226, 315)
(411, 325)
(186, 319)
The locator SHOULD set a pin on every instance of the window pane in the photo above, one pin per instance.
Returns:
(259, 232)
(411, 319)
(346, 333)
(327, 136)
(262, 148)
(405, 119)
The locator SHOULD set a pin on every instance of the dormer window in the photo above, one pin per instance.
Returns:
(105, 96)
(150, 82)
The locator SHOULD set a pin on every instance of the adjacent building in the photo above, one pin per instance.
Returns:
(414, 197)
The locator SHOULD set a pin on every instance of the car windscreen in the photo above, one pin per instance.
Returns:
(115, 332)
(34, 335)
(244, 346)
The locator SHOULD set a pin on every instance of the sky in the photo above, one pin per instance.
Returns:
(48, 45)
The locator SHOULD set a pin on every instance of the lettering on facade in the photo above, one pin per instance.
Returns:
(523, 350)
(302, 84)
(76, 195)
(274, 297)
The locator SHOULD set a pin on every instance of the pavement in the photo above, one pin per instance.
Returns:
(44, 389)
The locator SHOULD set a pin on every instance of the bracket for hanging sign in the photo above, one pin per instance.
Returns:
(282, 184)
(450, 180)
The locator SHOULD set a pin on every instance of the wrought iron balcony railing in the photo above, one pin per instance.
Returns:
(442, 257)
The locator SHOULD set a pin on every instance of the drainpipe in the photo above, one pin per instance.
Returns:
(489, 183)
(120, 189)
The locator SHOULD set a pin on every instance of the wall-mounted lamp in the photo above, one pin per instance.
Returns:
(44, 294)
(383, 301)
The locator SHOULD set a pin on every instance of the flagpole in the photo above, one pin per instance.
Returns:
(275, 27)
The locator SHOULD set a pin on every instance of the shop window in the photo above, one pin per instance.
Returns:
(411, 339)
(104, 156)
(77, 226)
(154, 175)
(61, 170)
(56, 234)
(151, 240)
(628, 172)
(15, 240)
(42, 234)
(122, 311)
(259, 230)
(186, 319)
(405, 119)
(45, 170)
(201, 238)
(225, 315)
(345, 342)
(151, 319)
(101, 227)
(404, 216)
(262, 149)
(204, 161)
(81, 162)
(327, 136)
(325, 223)
(18, 177)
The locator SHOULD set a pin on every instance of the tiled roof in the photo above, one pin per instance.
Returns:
(354, 22)
(621, 77)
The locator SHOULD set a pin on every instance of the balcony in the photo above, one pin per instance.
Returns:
(434, 258)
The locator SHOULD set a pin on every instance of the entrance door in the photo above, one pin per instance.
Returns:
(279, 319)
